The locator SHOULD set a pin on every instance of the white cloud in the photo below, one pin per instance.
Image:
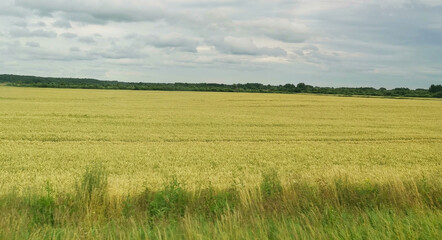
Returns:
(244, 46)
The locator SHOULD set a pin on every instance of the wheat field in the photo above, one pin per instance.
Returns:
(115, 164)
(146, 137)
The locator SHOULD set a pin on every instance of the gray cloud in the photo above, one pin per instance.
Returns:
(41, 24)
(278, 29)
(96, 11)
(24, 32)
(11, 10)
(244, 46)
(69, 35)
(411, 22)
(352, 43)
(33, 44)
(27, 53)
(174, 42)
(312, 54)
(87, 40)
(119, 52)
(62, 24)
(21, 24)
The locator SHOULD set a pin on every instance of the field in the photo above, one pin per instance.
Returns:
(294, 165)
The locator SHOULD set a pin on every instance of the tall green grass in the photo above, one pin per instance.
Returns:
(324, 209)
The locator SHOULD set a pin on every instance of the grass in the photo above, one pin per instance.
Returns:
(340, 209)
(87, 164)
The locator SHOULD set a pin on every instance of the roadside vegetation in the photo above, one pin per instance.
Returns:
(337, 208)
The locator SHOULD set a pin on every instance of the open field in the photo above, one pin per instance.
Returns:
(147, 137)
(223, 141)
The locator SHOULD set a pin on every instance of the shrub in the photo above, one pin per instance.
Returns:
(271, 184)
(171, 201)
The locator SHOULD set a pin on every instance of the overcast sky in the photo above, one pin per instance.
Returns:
(379, 43)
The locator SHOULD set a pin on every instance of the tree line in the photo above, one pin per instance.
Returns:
(87, 83)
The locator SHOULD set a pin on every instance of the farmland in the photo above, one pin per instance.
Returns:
(150, 139)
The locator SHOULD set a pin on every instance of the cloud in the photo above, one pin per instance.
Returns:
(119, 52)
(279, 29)
(21, 24)
(312, 54)
(244, 46)
(87, 40)
(41, 24)
(96, 10)
(11, 10)
(396, 23)
(62, 24)
(176, 42)
(317, 41)
(24, 32)
(69, 35)
(33, 44)
(31, 53)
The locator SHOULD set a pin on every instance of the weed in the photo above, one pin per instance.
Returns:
(271, 186)
(42, 208)
(171, 201)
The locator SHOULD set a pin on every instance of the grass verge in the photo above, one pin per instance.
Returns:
(324, 209)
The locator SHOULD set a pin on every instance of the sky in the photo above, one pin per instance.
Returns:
(354, 43)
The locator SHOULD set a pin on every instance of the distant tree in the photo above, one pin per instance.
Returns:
(301, 86)
(289, 88)
(435, 88)
(32, 81)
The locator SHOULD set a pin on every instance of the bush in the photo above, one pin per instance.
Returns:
(171, 201)
(438, 95)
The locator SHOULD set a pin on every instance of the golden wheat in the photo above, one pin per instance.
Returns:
(219, 139)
